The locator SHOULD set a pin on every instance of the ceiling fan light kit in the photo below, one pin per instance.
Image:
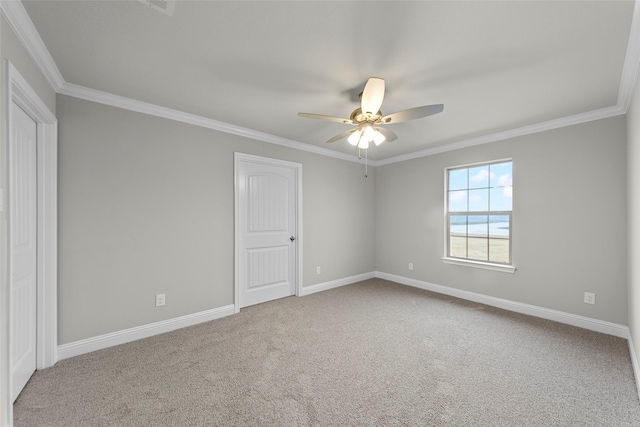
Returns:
(364, 135)
(354, 138)
(368, 117)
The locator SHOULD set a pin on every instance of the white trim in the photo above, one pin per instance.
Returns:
(105, 98)
(635, 363)
(21, 93)
(479, 264)
(518, 307)
(631, 61)
(47, 246)
(319, 287)
(100, 342)
(297, 167)
(31, 40)
(300, 234)
(589, 116)
(483, 163)
(505, 268)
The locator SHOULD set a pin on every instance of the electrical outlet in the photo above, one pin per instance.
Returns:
(410, 266)
(318, 271)
(589, 298)
(160, 300)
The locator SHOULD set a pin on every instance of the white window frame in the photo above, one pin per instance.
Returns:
(487, 265)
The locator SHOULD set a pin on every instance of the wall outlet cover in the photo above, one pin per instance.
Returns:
(589, 298)
(160, 300)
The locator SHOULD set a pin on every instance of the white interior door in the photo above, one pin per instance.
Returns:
(266, 224)
(22, 248)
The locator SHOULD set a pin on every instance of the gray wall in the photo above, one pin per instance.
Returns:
(146, 206)
(569, 220)
(633, 191)
(11, 49)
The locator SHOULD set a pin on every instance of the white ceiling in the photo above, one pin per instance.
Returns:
(495, 65)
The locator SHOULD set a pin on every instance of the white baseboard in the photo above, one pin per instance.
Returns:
(634, 363)
(312, 289)
(518, 307)
(116, 338)
(100, 342)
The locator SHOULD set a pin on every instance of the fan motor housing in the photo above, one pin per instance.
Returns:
(358, 117)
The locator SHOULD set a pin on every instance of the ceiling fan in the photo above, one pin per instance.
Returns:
(368, 119)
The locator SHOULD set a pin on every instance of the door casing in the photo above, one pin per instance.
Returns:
(20, 92)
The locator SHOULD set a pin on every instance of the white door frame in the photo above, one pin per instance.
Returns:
(21, 93)
(250, 158)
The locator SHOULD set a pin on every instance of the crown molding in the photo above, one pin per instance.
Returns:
(512, 133)
(106, 98)
(22, 25)
(26, 32)
(631, 61)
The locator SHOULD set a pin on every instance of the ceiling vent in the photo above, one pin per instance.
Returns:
(164, 6)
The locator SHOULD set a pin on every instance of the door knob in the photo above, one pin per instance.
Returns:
(292, 238)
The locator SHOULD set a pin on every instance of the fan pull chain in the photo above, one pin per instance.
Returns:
(366, 160)
(366, 163)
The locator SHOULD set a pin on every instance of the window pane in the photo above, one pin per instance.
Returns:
(501, 199)
(499, 226)
(458, 179)
(478, 226)
(458, 201)
(499, 230)
(501, 175)
(479, 200)
(479, 177)
(499, 250)
(458, 225)
(478, 248)
(458, 247)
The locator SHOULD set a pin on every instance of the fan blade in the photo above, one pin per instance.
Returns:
(325, 118)
(388, 135)
(372, 95)
(413, 113)
(342, 135)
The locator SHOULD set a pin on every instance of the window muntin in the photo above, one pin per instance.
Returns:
(479, 212)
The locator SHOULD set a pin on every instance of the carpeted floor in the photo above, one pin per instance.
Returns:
(373, 353)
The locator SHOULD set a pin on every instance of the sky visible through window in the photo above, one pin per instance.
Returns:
(481, 189)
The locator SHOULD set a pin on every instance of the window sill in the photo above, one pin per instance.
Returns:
(479, 264)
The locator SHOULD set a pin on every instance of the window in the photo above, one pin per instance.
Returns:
(479, 205)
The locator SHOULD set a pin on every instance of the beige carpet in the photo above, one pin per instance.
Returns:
(370, 354)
